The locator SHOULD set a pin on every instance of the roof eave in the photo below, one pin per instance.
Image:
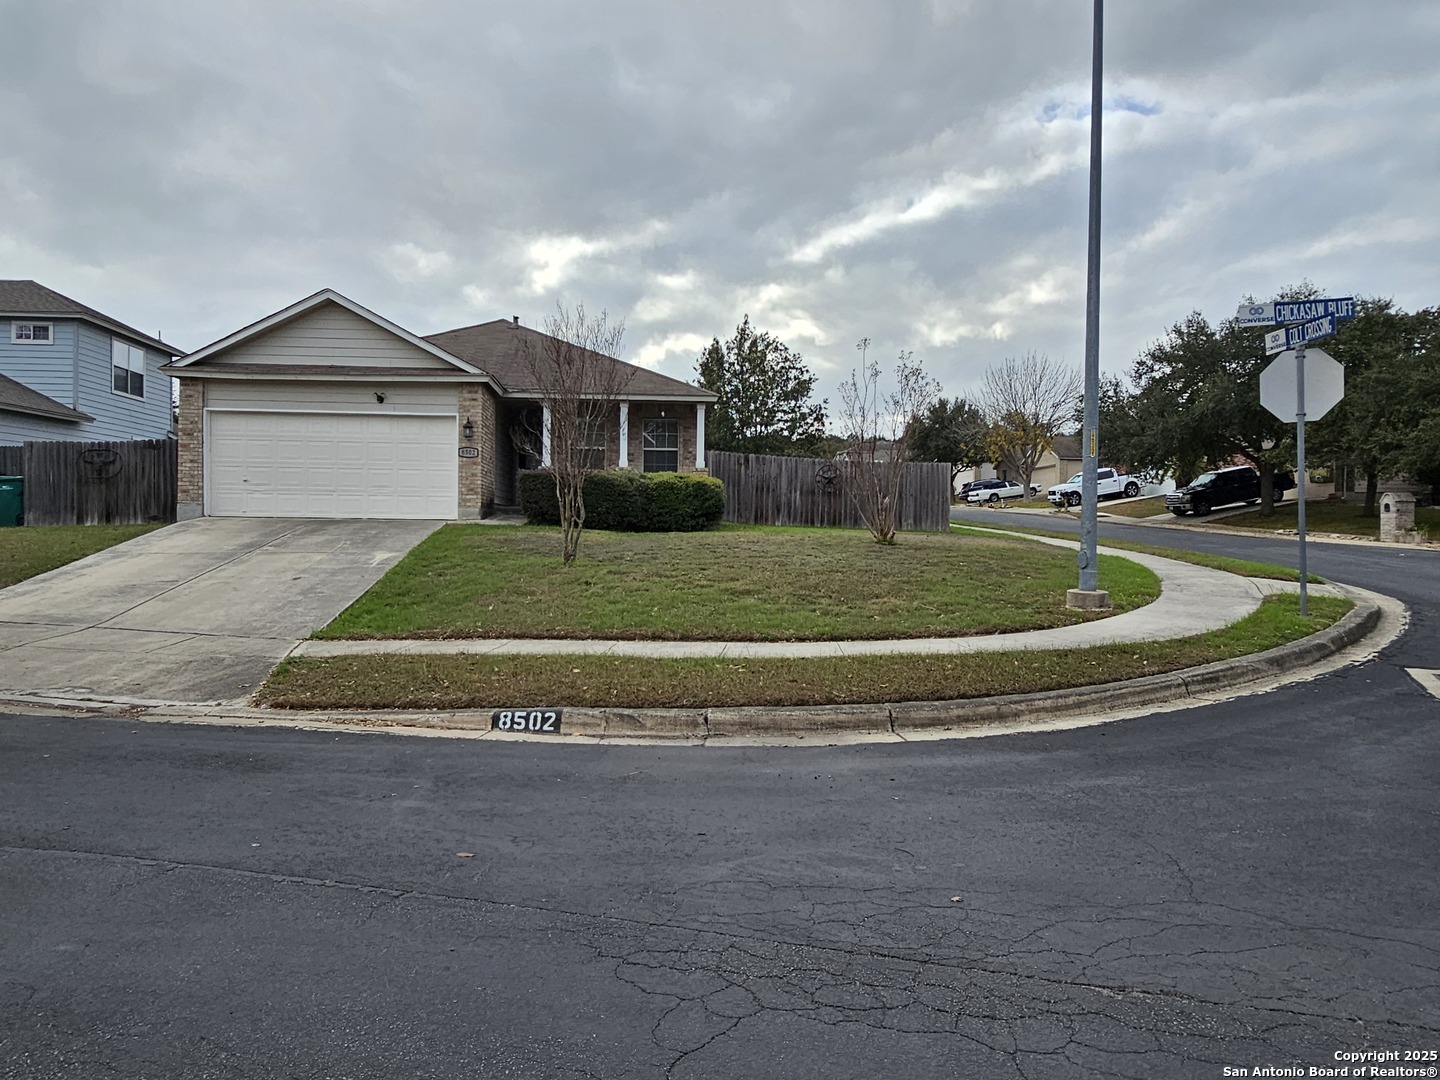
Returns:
(282, 374)
(299, 308)
(105, 324)
(69, 416)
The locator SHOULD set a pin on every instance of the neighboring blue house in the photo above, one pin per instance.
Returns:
(69, 372)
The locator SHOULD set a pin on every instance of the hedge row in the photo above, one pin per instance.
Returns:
(628, 501)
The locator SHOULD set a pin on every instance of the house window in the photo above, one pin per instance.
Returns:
(593, 436)
(127, 368)
(32, 333)
(662, 446)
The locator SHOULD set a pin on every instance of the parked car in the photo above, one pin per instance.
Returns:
(1239, 483)
(992, 491)
(1109, 484)
(965, 489)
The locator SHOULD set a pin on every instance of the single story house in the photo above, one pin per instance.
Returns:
(1056, 465)
(71, 373)
(326, 409)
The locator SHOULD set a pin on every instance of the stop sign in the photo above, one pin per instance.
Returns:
(1324, 385)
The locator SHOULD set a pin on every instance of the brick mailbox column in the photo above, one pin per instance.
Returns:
(1397, 518)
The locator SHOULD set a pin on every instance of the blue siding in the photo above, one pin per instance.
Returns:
(75, 371)
(119, 416)
(16, 428)
(47, 369)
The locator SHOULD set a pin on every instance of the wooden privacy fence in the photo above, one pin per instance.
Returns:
(764, 490)
(95, 483)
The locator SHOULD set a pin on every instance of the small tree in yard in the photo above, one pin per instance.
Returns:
(578, 382)
(878, 431)
(1028, 400)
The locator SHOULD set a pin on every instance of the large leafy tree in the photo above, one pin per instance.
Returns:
(1387, 421)
(1194, 402)
(953, 431)
(765, 394)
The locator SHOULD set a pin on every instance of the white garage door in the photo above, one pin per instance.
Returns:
(266, 464)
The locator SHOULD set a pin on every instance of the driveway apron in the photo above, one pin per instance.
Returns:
(198, 611)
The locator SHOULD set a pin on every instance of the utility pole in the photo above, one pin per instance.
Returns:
(1089, 596)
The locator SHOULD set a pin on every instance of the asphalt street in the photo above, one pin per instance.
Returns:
(1248, 884)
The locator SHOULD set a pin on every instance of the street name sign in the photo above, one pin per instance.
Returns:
(1300, 334)
(1324, 386)
(1293, 311)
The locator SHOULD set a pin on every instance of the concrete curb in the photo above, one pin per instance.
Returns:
(895, 720)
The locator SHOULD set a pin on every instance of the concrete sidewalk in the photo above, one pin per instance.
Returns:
(1193, 600)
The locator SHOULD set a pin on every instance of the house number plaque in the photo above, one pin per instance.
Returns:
(535, 721)
(469, 451)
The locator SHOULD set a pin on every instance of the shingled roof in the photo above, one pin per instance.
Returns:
(25, 298)
(17, 397)
(498, 348)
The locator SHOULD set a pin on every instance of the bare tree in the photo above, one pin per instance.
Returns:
(877, 430)
(1027, 401)
(578, 381)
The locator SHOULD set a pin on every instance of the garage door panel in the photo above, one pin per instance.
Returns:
(331, 465)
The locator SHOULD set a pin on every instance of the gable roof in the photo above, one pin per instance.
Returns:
(21, 298)
(17, 397)
(1066, 447)
(300, 307)
(499, 347)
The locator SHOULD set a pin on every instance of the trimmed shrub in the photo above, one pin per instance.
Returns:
(615, 499)
(537, 497)
(682, 502)
(629, 501)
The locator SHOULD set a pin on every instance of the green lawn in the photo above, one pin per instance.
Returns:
(1332, 517)
(488, 682)
(34, 549)
(1140, 508)
(1230, 565)
(735, 583)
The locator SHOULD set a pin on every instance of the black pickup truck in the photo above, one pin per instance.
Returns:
(1240, 483)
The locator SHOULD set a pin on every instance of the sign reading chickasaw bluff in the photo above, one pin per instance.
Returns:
(1293, 311)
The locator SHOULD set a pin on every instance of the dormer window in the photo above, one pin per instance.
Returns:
(32, 333)
(127, 366)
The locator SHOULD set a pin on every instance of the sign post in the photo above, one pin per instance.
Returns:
(1301, 478)
(1301, 321)
(1317, 385)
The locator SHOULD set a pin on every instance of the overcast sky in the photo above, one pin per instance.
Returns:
(912, 172)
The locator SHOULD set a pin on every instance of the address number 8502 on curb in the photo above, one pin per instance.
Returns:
(534, 721)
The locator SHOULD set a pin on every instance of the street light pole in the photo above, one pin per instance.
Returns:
(1089, 596)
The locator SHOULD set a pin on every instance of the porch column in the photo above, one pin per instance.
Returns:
(699, 436)
(624, 435)
(545, 439)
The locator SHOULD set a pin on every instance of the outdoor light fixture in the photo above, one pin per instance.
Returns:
(469, 428)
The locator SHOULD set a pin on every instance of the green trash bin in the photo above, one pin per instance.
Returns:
(12, 500)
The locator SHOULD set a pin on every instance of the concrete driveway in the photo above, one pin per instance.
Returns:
(196, 612)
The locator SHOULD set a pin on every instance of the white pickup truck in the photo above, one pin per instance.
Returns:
(1109, 484)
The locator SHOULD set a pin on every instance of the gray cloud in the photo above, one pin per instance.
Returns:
(911, 172)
